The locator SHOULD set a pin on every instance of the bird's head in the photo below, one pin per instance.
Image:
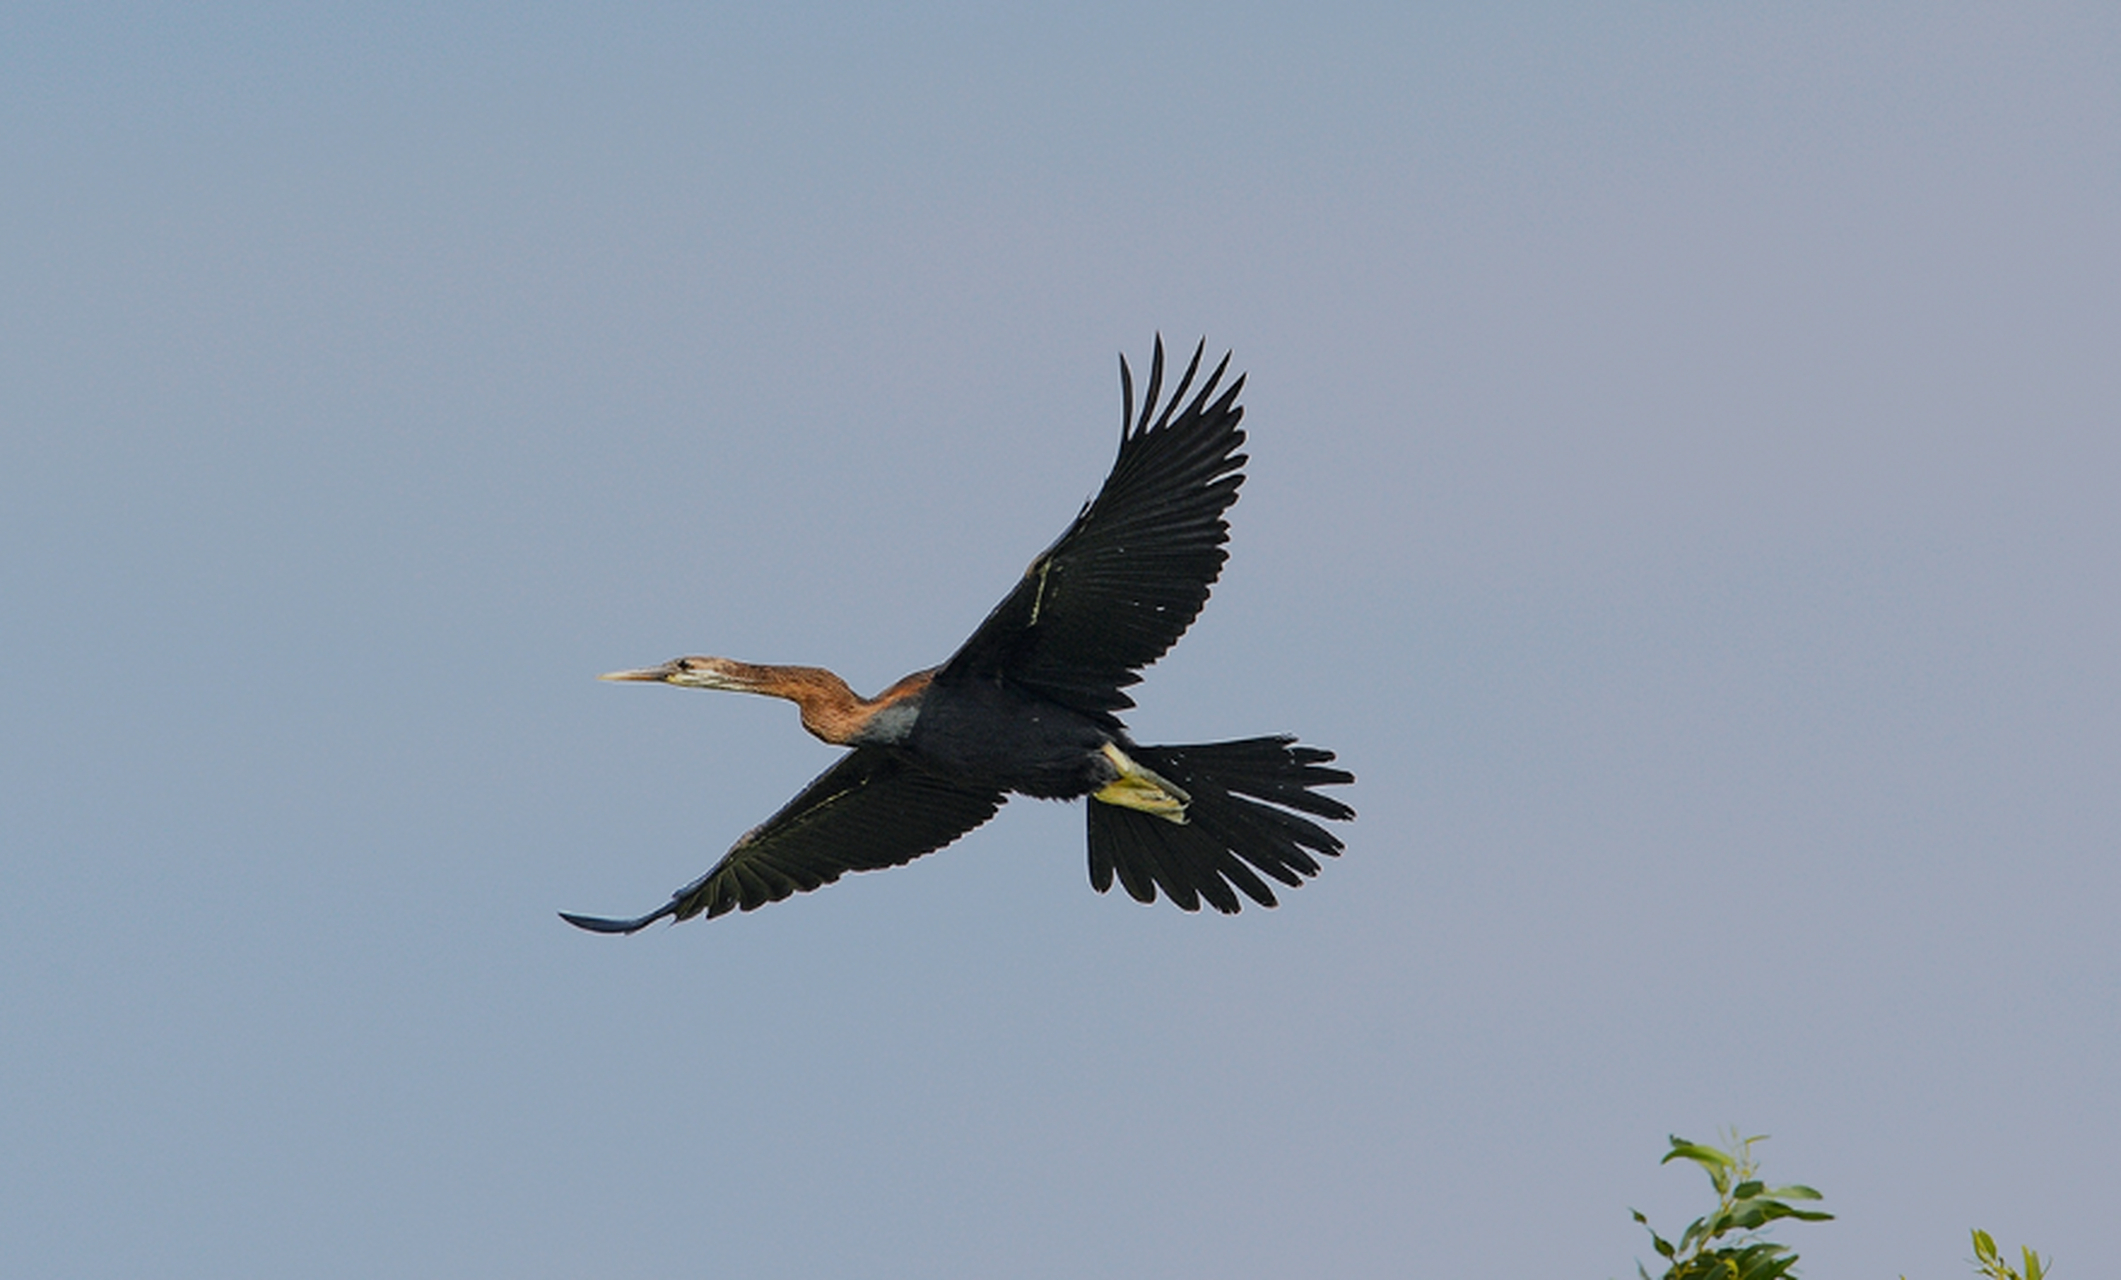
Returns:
(696, 673)
(830, 709)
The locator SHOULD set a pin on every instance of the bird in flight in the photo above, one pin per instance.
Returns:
(1028, 705)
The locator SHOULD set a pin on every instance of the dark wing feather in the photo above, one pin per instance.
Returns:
(871, 810)
(1119, 588)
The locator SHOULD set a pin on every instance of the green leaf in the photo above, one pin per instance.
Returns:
(1696, 1233)
(1795, 1191)
(1748, 1214)
(1706, 1157)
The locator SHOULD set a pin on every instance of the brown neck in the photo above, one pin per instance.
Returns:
(830, 709)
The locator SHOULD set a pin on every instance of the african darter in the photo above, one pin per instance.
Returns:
(1027, 705)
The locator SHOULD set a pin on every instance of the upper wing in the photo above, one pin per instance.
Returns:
(1129, 576)
(871, 810)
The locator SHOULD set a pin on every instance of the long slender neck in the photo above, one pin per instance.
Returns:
(829, 708)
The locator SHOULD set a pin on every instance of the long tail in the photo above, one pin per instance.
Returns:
(1226, 839)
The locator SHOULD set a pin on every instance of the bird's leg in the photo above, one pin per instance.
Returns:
(1140, 787)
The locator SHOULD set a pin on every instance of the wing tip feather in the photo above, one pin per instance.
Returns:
(604, 924)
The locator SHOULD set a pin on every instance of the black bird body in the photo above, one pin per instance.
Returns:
(1029, 704)
(1008, 738)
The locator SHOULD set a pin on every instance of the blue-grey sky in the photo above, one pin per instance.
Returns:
(1683, 480)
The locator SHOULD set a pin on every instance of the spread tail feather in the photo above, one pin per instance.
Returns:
(1237, 826)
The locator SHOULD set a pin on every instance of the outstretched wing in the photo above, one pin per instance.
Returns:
(1119, 588)
(871, 810)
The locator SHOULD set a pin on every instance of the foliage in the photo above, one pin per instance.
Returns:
(1989, 1261)
(1744, 1205)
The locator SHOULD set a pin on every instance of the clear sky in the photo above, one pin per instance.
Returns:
(1683, 489)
